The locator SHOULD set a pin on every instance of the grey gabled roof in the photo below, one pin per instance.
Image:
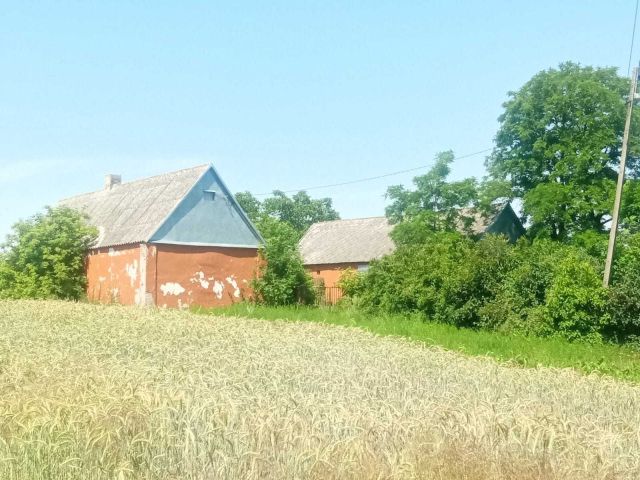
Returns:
(132, 212)
(358, 240)
(361, 240)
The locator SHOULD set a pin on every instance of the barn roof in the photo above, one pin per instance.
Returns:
(132, 212)
(361, 240)
(358, 240)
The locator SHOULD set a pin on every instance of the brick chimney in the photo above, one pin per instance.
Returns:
(111, 181)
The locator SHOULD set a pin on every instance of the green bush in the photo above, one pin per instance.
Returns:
(350, 282)
(624, 294)
(576, 302)
(541, 288)
(44, 256)
(282, 278)
(448, 278)
(413, 278)
(552, 289)
(520, 298)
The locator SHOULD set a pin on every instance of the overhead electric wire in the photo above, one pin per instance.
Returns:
(633, 36)
(368, 179)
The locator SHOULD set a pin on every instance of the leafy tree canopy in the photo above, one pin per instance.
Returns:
(558, 147)
(44, 256)
(435, 205)
(250, 204)
(299, 211)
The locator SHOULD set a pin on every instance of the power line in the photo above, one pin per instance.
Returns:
(633, 36)
(368, 179)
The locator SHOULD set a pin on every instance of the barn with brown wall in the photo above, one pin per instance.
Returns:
(173, 240)
(330, 248)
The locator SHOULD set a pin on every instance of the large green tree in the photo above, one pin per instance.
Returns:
(299, 211)
(44, 256)
(558, 147)
(435, 204)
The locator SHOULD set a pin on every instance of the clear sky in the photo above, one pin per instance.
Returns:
(277, 95)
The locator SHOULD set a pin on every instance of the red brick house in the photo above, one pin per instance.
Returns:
(173, 240)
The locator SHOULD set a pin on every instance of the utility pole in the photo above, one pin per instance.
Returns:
(623, 160)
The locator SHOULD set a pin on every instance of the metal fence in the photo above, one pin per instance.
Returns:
(322, 295)
(328, 295)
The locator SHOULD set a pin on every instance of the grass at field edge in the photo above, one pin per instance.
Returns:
(606, 359)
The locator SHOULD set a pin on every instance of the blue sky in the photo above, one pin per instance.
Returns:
(275, 94)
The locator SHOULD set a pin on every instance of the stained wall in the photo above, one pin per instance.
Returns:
(330, 273)
(203, 276)
(113, 274)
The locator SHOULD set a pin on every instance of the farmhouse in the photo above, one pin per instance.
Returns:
(329, 248)
(172, 240)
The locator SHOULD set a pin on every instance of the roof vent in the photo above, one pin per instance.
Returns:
(111, 181)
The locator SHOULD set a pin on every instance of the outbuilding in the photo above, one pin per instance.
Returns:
(173, 240)
(330, 248)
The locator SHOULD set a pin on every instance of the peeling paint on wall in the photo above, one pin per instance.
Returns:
(182, 306)
(171, 288)
(197, 269)
(232, 281)
(218, 288)
(201, 279)
(105, 280)
(132, 271)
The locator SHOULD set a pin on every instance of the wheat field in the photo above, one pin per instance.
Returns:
(94, 392)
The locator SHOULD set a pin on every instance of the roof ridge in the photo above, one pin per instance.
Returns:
(130, 182)
(349, 219)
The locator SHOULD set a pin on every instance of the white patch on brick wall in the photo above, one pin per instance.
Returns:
(171, 288)
(218, 288)
(102, 279)
(201, 279)
(114, 253)
(132, 272)
(232, 281)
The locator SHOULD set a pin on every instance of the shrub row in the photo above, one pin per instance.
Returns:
(541, 287)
